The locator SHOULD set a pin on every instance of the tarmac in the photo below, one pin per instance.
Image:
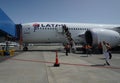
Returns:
(36, 66)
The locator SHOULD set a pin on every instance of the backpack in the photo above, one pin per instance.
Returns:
(110, 55)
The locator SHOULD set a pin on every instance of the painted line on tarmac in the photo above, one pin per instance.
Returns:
(96, 66)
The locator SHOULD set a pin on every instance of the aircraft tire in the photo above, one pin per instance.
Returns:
(25, 49)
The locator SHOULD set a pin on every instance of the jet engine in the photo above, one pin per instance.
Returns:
(96, 36)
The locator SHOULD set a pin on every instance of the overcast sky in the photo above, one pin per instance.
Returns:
(80, 11)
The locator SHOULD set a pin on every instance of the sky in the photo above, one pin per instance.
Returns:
(73, 11)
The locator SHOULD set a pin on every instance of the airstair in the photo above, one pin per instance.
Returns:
(74, 47)
(68, 37)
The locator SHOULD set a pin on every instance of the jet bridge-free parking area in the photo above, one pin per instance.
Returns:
(36, 66)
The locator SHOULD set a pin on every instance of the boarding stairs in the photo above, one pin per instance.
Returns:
(74, 47)
(68, 37)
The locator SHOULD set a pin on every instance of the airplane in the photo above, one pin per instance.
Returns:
(58, 32)
(52, 32)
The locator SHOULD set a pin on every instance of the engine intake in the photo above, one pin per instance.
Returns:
(96, 36)
(89, 37)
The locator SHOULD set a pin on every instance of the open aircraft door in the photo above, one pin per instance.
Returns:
(60, 35)
(19, 34)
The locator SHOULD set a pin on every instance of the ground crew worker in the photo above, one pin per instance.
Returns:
(67, 49)
(105, 47)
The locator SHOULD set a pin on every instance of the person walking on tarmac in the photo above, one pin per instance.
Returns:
(88, 49)
(105, 48)
(108, 50)
(67, 49)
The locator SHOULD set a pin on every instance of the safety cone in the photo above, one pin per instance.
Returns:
(57, 64)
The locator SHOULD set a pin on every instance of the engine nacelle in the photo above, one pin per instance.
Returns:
(96, 36)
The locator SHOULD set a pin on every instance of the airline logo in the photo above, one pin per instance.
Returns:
(38, 26)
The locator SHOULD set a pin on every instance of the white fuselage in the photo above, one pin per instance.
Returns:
(51, 32)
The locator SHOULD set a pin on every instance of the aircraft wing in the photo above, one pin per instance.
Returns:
(81, 35)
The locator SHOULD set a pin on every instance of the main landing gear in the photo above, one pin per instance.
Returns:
(25, 47)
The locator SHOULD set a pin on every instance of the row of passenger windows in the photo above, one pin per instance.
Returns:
(68, 28)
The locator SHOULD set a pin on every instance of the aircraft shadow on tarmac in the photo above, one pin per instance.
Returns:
(39, 50)
(84, 56)
(97, 65)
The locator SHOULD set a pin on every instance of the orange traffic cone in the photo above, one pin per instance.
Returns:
(57, 64)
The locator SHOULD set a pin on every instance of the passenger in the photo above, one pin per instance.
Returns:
(67, 49)
(88, 49)
(105, 48)
(71, 43)
(64, 27)
(108, 50)
(100, 48)
(84, 49)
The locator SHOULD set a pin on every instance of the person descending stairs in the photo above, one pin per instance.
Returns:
(68, 36)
